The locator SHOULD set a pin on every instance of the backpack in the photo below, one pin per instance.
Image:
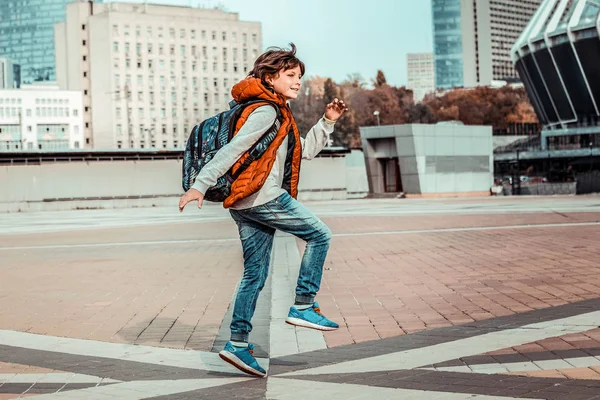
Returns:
(208, 137)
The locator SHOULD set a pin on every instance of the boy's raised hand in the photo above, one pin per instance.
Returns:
(188, 196)
(335, 109)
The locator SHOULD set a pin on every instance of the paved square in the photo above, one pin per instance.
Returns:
(494, 297)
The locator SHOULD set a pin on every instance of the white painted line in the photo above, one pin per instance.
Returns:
(287, 339)
(53, 377)
(481, 344)
(292, 389)
(199, 360)
(475, 229)
(118, 244)
(545, 365)
(140, 389)
(375, 233)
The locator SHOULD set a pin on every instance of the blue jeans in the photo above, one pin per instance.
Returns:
(257, 227)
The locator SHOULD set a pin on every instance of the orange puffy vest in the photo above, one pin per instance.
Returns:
(255, 175)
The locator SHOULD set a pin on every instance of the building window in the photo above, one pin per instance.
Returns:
(182, 33)
(182, 50)
(119, 144)
(83, 42)
(85, 92)
(214, 35)
(83, 27)
(115, 46)
(85, 74)
(224, 36)
(172, 33)
(193, 34)
(115, 30)
(86, 109)
(84, 58)
(75, 112)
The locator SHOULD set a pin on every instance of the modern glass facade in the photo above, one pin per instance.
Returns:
(447, 44)
(27, 35)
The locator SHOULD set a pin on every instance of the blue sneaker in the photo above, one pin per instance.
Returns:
(243, 359)
(310, 318)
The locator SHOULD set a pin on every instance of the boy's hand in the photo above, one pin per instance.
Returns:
(335, 109)
(188, 196)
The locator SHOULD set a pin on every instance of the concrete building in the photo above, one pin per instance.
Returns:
(27, 35)
(420, 73)
(10, 74)
(40, 117)
(473, 38)
(149, 73)
(429, 160)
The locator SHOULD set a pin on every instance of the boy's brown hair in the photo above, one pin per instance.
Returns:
(275, 59)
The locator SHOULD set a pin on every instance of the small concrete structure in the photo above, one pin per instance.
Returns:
(429, 160)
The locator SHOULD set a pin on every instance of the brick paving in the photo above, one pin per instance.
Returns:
(454, 277)
(154, 294)
(388, 285)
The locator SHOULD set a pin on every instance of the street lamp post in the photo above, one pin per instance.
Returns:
(376, 113)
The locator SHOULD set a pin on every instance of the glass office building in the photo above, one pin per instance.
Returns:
(27, 35)
(447, 43)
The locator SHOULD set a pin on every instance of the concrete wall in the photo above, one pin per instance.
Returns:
(454, 158)
(121, 184)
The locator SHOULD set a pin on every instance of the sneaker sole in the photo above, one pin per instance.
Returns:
(306, 324)
(239, 364)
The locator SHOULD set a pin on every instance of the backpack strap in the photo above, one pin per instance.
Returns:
(253, 155)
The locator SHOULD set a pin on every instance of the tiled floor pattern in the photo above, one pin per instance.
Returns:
(493, 298)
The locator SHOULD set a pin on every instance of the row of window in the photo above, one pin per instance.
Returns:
(41, 129)
(162, 81)
(152, 144)
(141, 112)
(182, 34)
(39, 112)
(12, 100)
(149, 49)
(15, 145)
(194, 66)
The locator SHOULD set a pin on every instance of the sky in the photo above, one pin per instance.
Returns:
(336, 38)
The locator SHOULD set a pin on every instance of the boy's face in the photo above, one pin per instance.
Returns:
(287, 82)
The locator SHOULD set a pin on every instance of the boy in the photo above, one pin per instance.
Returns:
(262, 198)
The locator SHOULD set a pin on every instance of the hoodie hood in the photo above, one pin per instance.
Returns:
(253, 88)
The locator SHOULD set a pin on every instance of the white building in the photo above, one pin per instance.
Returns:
(10, 74)
(472, 40)
(40, 117)
(149, 73)
(420, 73)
